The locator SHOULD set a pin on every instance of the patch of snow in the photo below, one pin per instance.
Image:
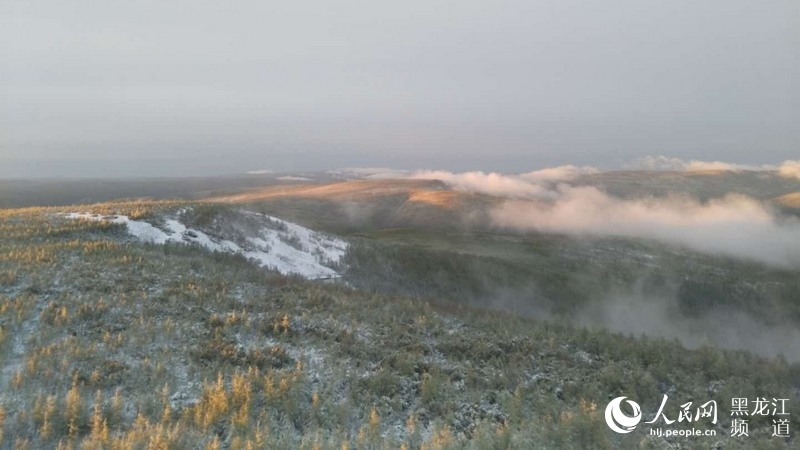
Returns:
(146, 232)
(143, 231)
(292, 250)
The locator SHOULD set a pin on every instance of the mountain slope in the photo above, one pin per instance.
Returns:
(109, 342)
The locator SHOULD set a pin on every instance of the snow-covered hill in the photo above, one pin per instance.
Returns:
(270, 242)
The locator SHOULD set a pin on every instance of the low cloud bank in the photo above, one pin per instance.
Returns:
(790, 169)
(787, 169)
(536, 184)
(668, 163)
(512, 186)
(560, 173)
(733, 225)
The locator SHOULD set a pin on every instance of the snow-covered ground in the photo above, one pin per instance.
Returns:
(292, 250)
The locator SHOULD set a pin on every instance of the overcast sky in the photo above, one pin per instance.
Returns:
(113, 88)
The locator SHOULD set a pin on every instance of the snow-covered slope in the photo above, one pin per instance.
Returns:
(272, 243)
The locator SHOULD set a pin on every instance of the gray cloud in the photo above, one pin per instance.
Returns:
(110, 88)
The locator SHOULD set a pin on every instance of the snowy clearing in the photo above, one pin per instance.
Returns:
(290, 249)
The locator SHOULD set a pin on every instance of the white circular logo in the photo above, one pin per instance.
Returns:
(618, 420)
